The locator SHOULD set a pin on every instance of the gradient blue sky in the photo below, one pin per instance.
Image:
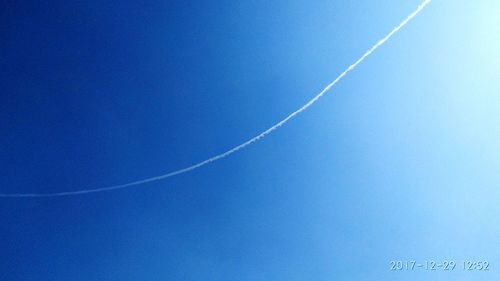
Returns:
(400, 161)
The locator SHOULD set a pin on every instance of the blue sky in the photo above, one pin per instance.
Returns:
(399, 161)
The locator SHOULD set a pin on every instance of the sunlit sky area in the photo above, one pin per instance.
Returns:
(400, 161)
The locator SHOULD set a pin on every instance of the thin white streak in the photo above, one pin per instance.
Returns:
(245, 144)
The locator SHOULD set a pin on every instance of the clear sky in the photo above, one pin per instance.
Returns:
(400, 161)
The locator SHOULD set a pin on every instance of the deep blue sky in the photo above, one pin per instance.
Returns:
(399, 161)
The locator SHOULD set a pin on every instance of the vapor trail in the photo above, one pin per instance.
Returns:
(248, 142)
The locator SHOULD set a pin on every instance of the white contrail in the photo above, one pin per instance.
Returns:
(248, 142)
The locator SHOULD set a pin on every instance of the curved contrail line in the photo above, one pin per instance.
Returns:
(248, 142)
